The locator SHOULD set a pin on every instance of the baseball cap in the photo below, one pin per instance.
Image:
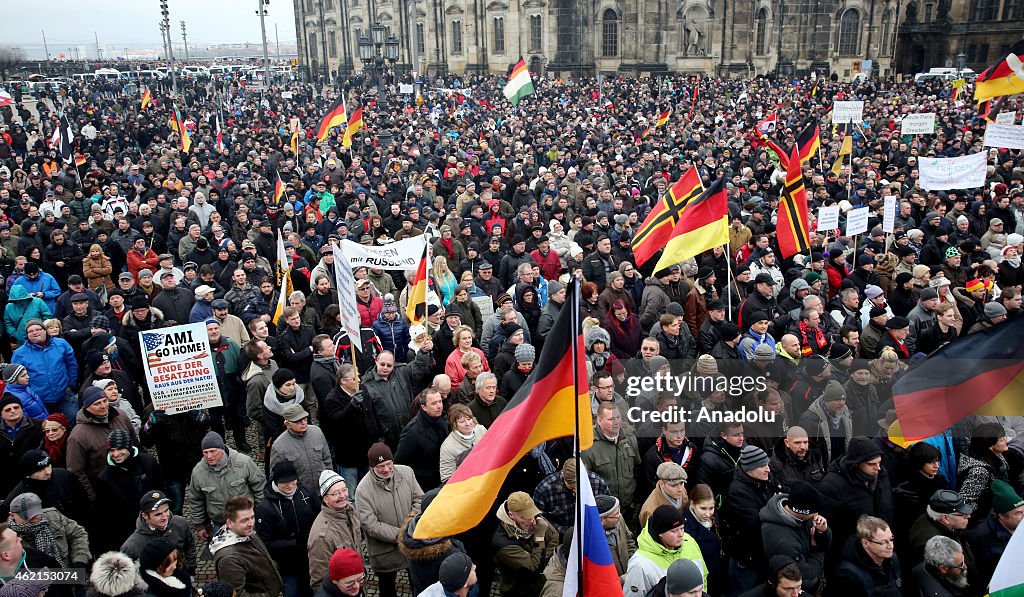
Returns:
(153, 500)
(27, 506)
(521, 503)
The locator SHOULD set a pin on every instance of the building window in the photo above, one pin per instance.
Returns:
(456, 37)
(536, 34)
(887, 33)
(314, 50)
(761, 32)
(421, 47)
(985, 10)
(929, 10)
(848, 43)
(499, 35)
(309, 7)
(328, 4)
(610, 34)
(332, 49)
(1013, 9)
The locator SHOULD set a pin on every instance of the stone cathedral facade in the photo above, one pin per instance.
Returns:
(569, 38)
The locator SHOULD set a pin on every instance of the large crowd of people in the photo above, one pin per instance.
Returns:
(313, 475)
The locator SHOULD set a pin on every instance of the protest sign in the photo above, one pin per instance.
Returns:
(1006, 117)
(846, 112)
(856, 221)
(889, 213)
(943, 174)
(404, 254)
(346, 284)
(918, 124)
(828, 217)
(179, 368)
(1004, 136)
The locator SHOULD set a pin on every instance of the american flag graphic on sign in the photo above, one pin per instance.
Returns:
(153, 341)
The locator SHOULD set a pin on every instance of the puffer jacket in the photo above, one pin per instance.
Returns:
(394, 335)
(382, 506)
(332, 530)
(782, 534)
(617, 462)
(651, 561)
(425, 556)
(210, 487)
(20, 308)
(177, 534)
(30, 401)
(87, 445)
(309, 453)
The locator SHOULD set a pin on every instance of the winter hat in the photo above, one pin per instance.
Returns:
(23, 588)
(812, 277)
(657, 363)
(670, 471)
(729, 330)
(752, 457)
(859, 365)
(607, 505)
(994, 309)
(90, 395)
(815, 365)
(379, 453)
(8, 399)
(145, 272)
(389, 304)
(345, 563)
(707, 365)
(284, 472)
(757, 316)
(839, 351)
(928, 294)
(763, 352)
(865, 260)
(454, 571)
(99, 321)
(140, 301)
(598, 334)
(974, 285)
(1004, 498)
(329, 479)
(60, 419)
(11, 373)
(952, 252)
(154, 554)
(861, 449)
(804, 498)
(119, 439)
(103, 383)
(282, 376)
(525, 353)
(872, 291)
(663, 519)
(834, 391)
(113, 574)
(683, 576)
(510, 327)
(213, 440)
(95, 358)
(675, 308)
(32, 322)
(32, 462)
(554, 286)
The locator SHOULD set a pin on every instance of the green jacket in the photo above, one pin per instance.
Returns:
(618, 463)
(651, 561)
(522, 561)
(210, 488)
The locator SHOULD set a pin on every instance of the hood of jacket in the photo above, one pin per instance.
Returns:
(421, 550)
(114, 573)
(19, 293)
(774, 513)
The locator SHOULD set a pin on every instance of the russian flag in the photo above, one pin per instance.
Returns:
(600, 578)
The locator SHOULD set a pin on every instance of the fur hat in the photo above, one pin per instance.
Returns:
(597, 334)
(114, 574)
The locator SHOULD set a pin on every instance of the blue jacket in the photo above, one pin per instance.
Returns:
(30, 401)
(20, 309)
(51, 367)
(201, 311)
(45, 283)
(394, 335)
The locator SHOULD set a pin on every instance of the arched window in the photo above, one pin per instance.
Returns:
(761, 32)
(848, 42)
(887, 33)
(610, 34)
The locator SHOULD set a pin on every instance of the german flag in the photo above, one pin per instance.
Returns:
(989, 110)
(278, 189)
(334, 117)
(416, 311)
(808, 142)
(543, 409)
(657, 227)
(1004, 78)
(354, 124)
(703, 225)
(792, 223)
(79, 160)
(147, 97)
(693, 102)
(981, 374)
(294, 143)
(663, 118)
(184, 140)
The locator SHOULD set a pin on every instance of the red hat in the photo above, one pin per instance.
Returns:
(345, 563)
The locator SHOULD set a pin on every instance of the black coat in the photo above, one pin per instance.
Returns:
(296, 352)
(420, 448)
(29, 437)
(782, 534)
(858, 576)
(62, 491)
(283, 524)
(119, 488)
(324, 378)
(350, 426)
(741, 515)
(178, 440)
(844, 499)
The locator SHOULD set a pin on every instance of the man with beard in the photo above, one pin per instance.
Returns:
(944, 569)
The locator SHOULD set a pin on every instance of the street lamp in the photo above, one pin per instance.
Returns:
(961, 61)
(380, 47)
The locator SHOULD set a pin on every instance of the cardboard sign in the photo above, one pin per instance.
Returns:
(943, 174)
(847, 112)
(889, 213)
(179, 368)
(1004, 136)
(918, 124)
(856, 221)
(828, 217)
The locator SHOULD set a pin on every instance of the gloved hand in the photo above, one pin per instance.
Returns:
(539, 529)
(358, 398)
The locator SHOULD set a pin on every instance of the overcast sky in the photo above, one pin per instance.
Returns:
(135, 23)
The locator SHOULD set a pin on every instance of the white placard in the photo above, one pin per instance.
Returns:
(856, 221)
(1006, 117)
(889, 213)
(286, 95)
(846, 112)
(405, 89)
(179, 368)
(828, 217)
(404, 254)
(485, 304)
(943, 174)
(346, 283)
(918, 124)
(1004, 136)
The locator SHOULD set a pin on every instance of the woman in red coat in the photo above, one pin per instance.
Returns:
(836, 269)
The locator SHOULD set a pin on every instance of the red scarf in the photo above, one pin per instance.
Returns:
(806, 334)
(447, 244)
(900, 346)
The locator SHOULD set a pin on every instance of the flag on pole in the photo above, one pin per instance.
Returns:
(184, 140)
(295, 142)
(147, 97)
(1006, 77)
(703, 225)
(792, 223)
(544, 408)
(5, 98)
(519, 84)
(663, 118)
(220, 134)
(334, 117)
(416, 311)
(284, 273)
(1008, 578)
(693, 103)
(354, 124)
(278, 192)
(346, 284)
(599, 576)
(844, 150)
(657, 227)
(808, 142)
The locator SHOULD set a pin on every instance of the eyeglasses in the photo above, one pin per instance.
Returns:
(354, 583)
(889, 541)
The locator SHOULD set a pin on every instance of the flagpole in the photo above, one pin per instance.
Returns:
(574, 322)
(729, 281)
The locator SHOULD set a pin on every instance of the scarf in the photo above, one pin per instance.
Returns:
(55, 449)
(1014, 263)
(901, 347)
(286, 494)
(809, 334)
(704, 523)
(447, 244)
(834, 419)
(225, 538)
(675, 503)
(40, 535)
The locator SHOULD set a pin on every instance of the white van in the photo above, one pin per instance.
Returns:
(197, 71)
(84, 76)
(109, 73)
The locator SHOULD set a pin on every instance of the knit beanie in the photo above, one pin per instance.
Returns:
(32, 462)
(281, 376)
(8, 399)
(861, 449)
(379, 453)
(525, 353)
(90, 395)
(683, 576)
(11, 373)
(752, 458)
(119, 439)
(1004, 498)
(329, 479)
(345, 563)
(454, 571)
(663, 519)
(213, 440)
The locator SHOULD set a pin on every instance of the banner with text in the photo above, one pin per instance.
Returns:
(346, 283)
(1006, 117)
(1004, 136)
(404, 254)
(944, 174)
(847, 112)
(918, 124)
(179, 368)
